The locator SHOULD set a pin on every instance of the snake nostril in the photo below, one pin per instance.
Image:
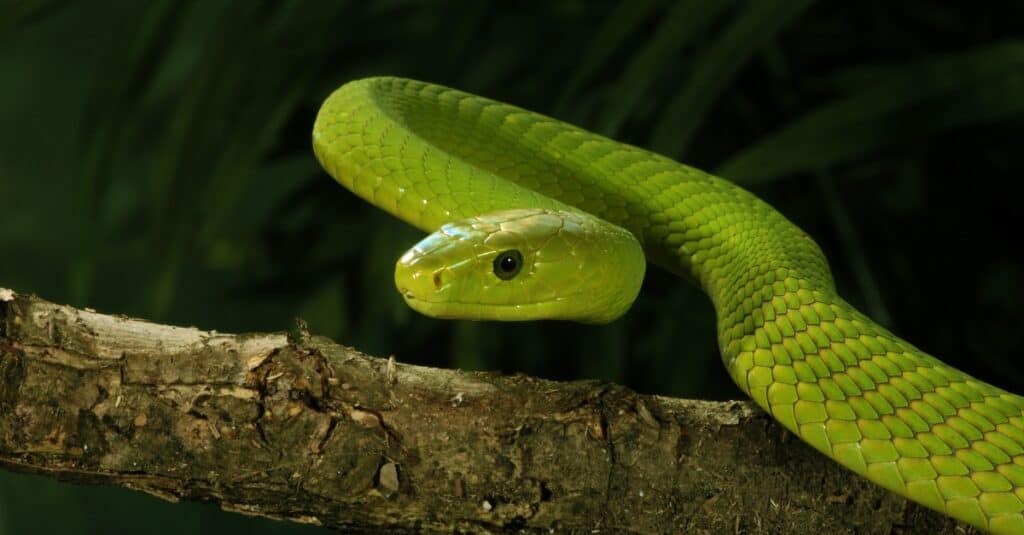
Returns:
(437, 280)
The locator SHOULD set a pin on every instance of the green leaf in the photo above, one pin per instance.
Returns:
(856, 253)
(717, 66)
(620, 23)
(981, 85)
(18, 13)
(681, 27)
(108, 117)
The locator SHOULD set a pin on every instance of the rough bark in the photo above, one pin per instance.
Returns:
(296, 427)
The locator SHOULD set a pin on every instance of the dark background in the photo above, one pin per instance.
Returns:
(155, 161)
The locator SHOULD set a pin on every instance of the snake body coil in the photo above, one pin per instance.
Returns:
(850, 388)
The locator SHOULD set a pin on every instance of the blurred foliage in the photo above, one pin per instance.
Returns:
(155, 161)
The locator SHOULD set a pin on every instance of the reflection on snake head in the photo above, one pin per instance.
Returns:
(524, 264)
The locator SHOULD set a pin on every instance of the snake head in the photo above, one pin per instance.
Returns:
(525, 264)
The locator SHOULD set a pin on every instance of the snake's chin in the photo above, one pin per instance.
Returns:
(452, 310)
(449, 310)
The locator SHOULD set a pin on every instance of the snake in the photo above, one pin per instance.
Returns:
(532, 218)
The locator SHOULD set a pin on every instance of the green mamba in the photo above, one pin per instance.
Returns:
(533, 218)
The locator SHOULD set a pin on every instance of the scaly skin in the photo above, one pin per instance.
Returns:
(850, 388)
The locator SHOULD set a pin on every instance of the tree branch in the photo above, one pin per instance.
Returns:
(299, 428)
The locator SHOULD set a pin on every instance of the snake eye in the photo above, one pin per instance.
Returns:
(507, 264)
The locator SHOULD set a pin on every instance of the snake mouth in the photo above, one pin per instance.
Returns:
(476, 311)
